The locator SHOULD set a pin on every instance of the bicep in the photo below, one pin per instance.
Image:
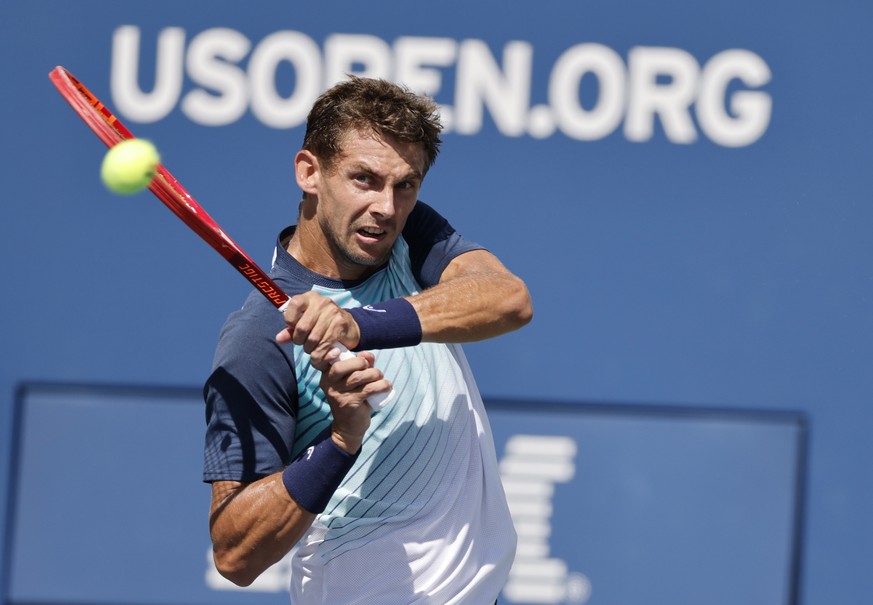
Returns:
(475, 262)
(242, 511)
(253, 525)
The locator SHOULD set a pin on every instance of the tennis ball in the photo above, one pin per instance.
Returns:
(130, 166)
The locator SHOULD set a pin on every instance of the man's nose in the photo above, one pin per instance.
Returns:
(383, 206)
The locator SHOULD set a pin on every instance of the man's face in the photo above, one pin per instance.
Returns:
(364, 198)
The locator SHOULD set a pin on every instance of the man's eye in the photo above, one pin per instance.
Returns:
(363, 178)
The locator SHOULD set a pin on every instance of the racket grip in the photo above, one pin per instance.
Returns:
(377, 401)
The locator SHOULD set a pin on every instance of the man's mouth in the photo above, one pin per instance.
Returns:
(371, 233)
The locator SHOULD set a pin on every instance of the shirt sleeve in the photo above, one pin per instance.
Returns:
(251, 401)
(433, 243)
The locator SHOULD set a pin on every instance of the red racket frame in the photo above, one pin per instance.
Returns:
(165, 186)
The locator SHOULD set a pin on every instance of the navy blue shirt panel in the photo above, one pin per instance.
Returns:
(247, 396)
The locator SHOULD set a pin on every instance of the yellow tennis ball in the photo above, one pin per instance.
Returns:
(130, 166)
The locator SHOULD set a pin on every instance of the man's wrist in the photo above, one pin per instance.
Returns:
(350, 445)
(390, 324)
(314, 476)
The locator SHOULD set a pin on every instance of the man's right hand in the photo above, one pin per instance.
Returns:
(316, 322)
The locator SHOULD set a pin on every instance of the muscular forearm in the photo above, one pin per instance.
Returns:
(253, 526)
(476, 299)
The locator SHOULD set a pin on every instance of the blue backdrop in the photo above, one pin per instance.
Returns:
(684, 186)
(612, 504)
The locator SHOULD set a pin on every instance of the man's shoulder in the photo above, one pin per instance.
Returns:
(424, 220)
(256, 315)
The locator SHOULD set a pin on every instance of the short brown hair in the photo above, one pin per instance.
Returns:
(378, 106)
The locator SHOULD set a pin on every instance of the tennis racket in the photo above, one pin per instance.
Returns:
(166, 188)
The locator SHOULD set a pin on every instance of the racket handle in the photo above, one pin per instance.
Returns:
(377, 401)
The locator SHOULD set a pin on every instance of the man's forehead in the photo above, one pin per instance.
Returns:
(360, 146)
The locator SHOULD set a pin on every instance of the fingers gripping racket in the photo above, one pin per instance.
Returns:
(167, 189)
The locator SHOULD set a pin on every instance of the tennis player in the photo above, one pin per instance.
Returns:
(399, 506)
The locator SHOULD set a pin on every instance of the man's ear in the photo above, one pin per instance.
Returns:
(306, 171)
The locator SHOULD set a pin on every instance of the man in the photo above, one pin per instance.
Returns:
(403, 505)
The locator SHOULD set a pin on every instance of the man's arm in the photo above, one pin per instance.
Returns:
(254, 525)
(476, 298)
